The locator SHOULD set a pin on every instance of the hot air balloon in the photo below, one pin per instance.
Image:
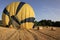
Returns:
(18, 15)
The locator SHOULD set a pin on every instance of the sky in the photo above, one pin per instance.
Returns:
(44, 9)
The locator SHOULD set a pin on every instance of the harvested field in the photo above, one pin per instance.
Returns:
(32, 34)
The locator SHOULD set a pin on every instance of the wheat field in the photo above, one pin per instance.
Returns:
(32, 34)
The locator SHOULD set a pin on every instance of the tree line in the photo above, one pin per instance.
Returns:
(47, 23)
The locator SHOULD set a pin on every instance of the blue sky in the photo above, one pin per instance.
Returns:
(44, 9)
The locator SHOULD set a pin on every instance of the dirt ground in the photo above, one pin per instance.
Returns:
(32, 34)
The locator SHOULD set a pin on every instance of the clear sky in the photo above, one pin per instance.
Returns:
(44, 9)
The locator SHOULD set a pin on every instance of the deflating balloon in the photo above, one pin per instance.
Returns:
(18, 15)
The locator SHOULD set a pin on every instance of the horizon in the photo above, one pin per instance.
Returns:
(47, 9)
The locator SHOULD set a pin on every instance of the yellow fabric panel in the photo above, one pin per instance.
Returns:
(27, 25)
(12, 8)
(5, 20)
(31, 13)
(11, 11)
(15, 6)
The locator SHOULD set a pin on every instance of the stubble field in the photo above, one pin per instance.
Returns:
(32, 34)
